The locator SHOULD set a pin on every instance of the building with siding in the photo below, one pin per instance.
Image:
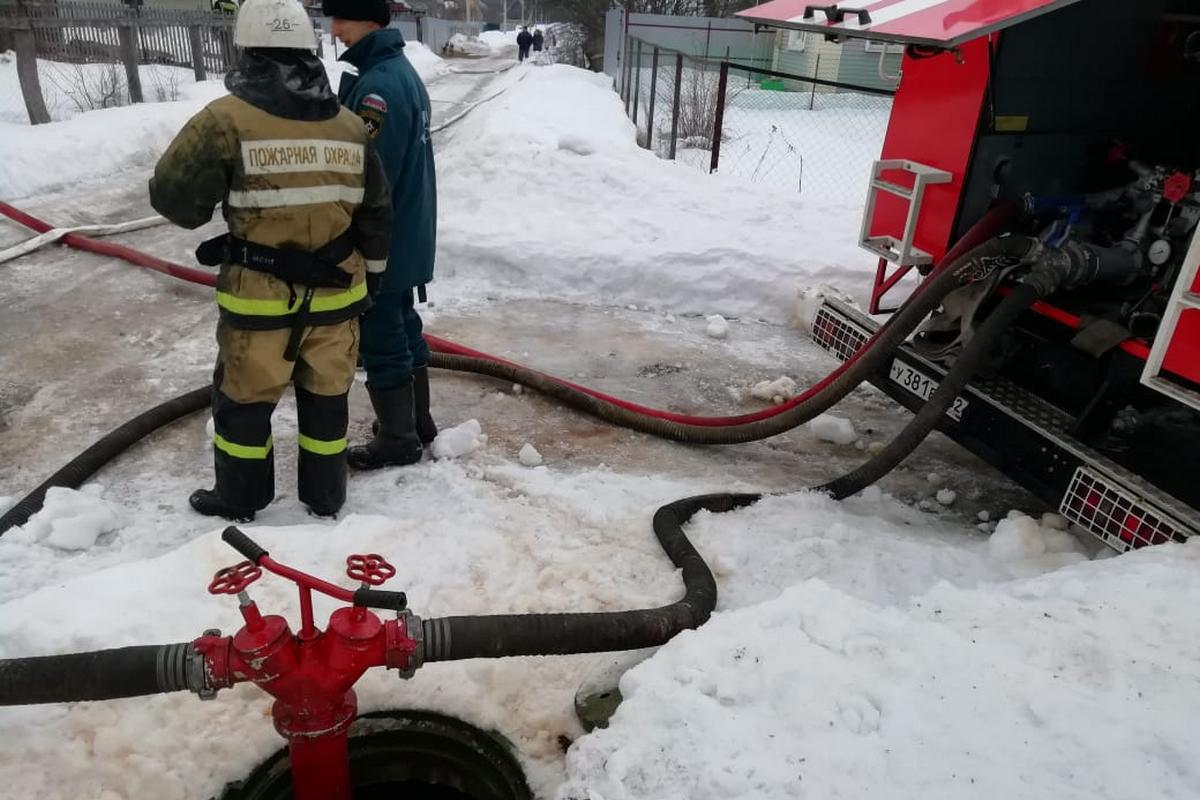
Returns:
(854, 62)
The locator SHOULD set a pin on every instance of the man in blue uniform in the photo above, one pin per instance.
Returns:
(389, 96)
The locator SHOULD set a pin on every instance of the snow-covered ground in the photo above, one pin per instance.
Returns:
(860, 649)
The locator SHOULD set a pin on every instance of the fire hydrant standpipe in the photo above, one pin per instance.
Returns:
(310, 673)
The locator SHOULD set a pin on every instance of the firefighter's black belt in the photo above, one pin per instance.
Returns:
(318, 268)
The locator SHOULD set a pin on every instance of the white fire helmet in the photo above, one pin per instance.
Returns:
(274, 23)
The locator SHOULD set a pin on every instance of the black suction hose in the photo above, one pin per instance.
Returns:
(495, 636)
(84, 465)
(98, 675)
(927, 418)
(1071, 266)
(452, 638)
(132, 671)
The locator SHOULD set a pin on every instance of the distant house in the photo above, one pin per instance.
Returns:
(855, 61)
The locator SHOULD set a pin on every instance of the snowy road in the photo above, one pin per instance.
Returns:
(844, 660)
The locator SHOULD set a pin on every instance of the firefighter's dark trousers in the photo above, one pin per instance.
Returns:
(250, 377)
(392, 342)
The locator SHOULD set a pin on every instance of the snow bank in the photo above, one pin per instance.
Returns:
(66, 87)
(499, 41)
(468, 46)
(38, 158)
(627, 226)
(429, 65)
(1067, 687)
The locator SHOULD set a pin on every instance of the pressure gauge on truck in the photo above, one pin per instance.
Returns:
(1159, 252)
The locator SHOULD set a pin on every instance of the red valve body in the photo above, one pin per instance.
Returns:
(311, 682)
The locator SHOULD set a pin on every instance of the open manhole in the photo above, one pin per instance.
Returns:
(415, 755)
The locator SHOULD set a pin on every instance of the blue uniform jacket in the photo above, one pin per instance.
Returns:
(390, 97)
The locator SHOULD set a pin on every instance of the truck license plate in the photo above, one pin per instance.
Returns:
(923, 387)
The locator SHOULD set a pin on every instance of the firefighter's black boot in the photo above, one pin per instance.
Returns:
(426, 427)
(396, 443)
(210, 504)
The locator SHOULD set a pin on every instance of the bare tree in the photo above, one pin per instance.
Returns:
(90, 86)
(724, 8)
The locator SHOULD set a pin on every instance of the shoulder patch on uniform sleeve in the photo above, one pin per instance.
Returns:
(374, 101)
(373, 120)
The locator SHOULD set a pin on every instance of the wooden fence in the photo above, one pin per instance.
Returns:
(113, 33)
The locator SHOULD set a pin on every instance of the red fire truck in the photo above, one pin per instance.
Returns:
(1084, 117)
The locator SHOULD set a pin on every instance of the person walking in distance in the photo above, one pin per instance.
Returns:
(524, 41)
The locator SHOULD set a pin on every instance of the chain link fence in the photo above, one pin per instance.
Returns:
(798, 133)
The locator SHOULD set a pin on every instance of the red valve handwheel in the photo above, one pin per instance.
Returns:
(231, 580)
(369, 568)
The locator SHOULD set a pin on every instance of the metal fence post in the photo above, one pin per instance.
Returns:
(127, 36)
(197, 44)
(719, 118)
(675, 103)
(627, 54)
(637, 86)
(629, 66)
(812, 97)
(27, 76)
(653, 94)
(623, 60)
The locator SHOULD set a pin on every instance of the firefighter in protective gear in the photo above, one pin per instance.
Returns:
(390, 97)
(309, 216)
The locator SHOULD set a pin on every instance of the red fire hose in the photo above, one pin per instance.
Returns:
(985, 229)
(81, 242)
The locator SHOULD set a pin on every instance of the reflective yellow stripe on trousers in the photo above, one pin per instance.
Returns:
(249, 307)
(248, 452)
(321, 447)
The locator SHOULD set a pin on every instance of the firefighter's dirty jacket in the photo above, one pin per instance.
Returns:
(292, 170)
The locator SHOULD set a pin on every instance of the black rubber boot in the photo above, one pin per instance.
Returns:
(210, 504)
(396, 443)
(426, 427)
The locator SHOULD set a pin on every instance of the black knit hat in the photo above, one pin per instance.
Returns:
(366, 10)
